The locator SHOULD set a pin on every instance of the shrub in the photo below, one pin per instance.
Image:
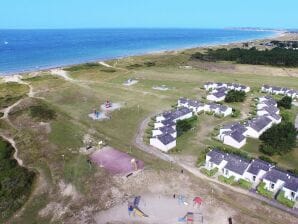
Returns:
(279, 139)
(267, 159)
(285, 102)
(244, 184)
(235, 96)
(15, 182)
(42, 112)
(230, 180)
(150, 64)
(202, 157)
(261, 189)
(283, 200)
(185, 125)
(209, 173)
(236, 113)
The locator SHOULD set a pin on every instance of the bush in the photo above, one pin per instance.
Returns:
(209, 173)
(15, 182)
(285, 102)
(42, 112)
(279, 139)
(267, 159)
(235, 96)
(202, 157)
(236, 113)
(185, 125)
(261, 189)
(230, 180)
(150, 64)
(245, 184)
(283, 200)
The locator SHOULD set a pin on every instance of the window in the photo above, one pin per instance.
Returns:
(254, 178)
(272, 186)
(227, 172)
(293, 194)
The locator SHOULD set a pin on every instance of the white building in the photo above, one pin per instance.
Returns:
(256, 171)
(164, 142)
(257, 126)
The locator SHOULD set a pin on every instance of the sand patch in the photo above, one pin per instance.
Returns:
(61, 73)
(68, 190)
(130, 82)
(114, 106)
(161, 88)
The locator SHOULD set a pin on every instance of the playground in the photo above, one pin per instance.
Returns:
(116, 162)
(105, 109)
(155, 209)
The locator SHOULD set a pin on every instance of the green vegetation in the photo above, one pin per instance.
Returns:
(283, 200)
(244, 184)
(1, 114)
(285, 102)
(230, 180)
(11, 92)
(279, 139)
(236, 113)
(15, 182)
(275, 57)
(42, 112)
(209, 173)
(87, 66)
(235, 96)
(261, 190)
(185, 125)
(267, 159)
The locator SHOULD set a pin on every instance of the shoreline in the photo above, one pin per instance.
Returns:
(276, 34)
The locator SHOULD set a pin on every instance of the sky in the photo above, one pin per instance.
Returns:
(53, 14)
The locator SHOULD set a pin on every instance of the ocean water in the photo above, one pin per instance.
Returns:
(27, 50)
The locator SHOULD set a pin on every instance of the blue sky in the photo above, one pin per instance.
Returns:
(147, 13)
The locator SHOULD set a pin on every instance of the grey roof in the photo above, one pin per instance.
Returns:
(166, 138)
(183, 100)
(219, 94)
(195, 103)
(259, 123)
(235, 126)
(222, 89)
(236, 164)
(291, 181)
(275, 88)
(274, 116)
(176, 113)
(269, 102)
(257, 165)
(271, 109)
(238, 136)
(167, 130)
(168, 122)
(222, 108)
(216, 156)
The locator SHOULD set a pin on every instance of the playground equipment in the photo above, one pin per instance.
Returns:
(134, 207)
(134, 164)
(192, 218)
(182, 200)
(197, 201)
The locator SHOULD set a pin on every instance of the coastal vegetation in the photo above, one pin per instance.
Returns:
(42, 112)
(11, 93)
(279, 139)
(185, 125)
(276, 57)
(15, 182)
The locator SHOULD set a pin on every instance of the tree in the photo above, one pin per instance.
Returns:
(279, 139)
(235, 96)
(185, 125)
(285, 102)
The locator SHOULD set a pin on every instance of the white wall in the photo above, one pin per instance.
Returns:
(228, 140)
(288, 194)
(158, 144)
(277, 186)
(227, 173)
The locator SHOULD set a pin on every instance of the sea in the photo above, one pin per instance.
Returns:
(29, 50)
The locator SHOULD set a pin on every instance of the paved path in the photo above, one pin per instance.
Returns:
(139, 143)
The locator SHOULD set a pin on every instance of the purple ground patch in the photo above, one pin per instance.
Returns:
(114, 161)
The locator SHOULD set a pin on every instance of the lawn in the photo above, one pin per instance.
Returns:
(261, 190)
(281, 198)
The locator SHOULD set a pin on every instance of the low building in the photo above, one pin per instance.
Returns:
(233, 135)
(165, 130)
(218, 109)
(194, 105)
(290, 188)
(256, 171)
(163, 142)
(215, 159)
(217, 96)
(258, 126)
(235, 167)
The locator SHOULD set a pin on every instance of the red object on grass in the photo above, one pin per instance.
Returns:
(198, 200)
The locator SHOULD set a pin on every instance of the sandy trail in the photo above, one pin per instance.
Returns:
(13, 143)
(105, 64)
(62, 73)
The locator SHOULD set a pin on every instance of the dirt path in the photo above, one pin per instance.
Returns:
(138, 142)
(13, 143)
